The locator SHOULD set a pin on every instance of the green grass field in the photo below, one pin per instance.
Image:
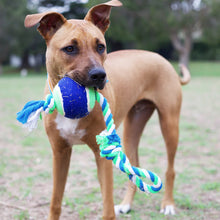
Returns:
(26, 159)
(203, 69)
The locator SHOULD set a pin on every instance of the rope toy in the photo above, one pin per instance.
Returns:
(75, 101)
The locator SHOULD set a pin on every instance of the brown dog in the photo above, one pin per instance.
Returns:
(139, 83)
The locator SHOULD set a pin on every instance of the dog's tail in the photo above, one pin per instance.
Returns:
(184, 74)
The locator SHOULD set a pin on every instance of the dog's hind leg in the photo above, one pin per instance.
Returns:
(134, 124)
(170, 129)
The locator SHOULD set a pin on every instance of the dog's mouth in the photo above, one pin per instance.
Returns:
(96, 78)
(99, 85)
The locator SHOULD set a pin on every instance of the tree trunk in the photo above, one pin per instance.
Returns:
(1, 69)
(183, 47)
(25, 62)
(184, 57)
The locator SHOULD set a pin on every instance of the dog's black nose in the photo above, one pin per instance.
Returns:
(97, 77)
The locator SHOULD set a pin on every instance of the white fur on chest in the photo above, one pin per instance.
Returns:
(68, 129)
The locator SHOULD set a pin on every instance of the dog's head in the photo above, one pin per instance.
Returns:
(75, 48)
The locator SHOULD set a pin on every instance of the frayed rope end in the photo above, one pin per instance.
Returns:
(31, 112)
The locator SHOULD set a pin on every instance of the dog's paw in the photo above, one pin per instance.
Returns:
(168, 210)
(122, 209)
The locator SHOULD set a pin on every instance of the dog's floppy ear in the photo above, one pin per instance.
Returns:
(99, 14)
(50, 22)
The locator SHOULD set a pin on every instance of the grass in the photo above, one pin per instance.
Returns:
(211, 186)
(26, 159)
(203, 69)
(23, 215)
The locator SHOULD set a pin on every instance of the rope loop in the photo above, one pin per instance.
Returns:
(110, 148)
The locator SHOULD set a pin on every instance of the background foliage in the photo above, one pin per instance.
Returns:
(170, 27)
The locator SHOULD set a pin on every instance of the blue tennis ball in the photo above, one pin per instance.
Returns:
(72, 99)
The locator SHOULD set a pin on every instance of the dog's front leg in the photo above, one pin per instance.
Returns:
(105, 176)
(61, 160)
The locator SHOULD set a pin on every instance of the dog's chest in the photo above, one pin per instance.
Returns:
(68, 130)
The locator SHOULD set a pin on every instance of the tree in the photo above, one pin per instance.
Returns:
(211, 34)
(4, 35)
(180, 20)
(186, 19)
(14, 38)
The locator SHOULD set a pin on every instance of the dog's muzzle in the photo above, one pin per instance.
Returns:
(97, 77)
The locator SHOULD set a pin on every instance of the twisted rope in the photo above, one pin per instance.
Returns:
(111, 149)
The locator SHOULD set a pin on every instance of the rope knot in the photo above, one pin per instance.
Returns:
(114, 139)
(49, 104)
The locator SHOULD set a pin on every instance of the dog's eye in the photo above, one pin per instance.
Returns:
(71, 50)
(100, 48)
